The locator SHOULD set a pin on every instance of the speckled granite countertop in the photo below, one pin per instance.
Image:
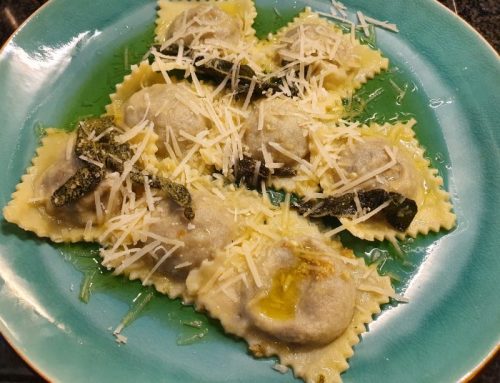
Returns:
(484, 15)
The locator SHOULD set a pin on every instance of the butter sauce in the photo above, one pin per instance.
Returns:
(281, 300)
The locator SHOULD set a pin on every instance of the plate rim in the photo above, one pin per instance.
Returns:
(467, 377)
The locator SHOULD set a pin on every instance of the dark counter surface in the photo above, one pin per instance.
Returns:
(484, 15)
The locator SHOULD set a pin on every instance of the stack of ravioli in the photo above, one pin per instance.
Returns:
(213, 102)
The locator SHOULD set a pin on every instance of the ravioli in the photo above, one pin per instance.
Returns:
(289, 291)
(407, 172)
(161, 246)
(338, 60)
(276, 113)
(166, 105)
(141, 76)
(31, 208)
(240, 14)
(175, 154)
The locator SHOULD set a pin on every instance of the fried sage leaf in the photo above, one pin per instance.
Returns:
(104, 150)
(216, 70)
(177, 192)
(107, 151)
(219, 69)
(173, 50)
(285, 172)
(251, 172)
(85, 179)
(399, 213)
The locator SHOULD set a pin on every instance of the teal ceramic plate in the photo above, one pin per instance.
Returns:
(67, 58)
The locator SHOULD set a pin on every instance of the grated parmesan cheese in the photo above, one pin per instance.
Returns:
(249, 93)
(260, 123)
(91, 161)
(358, 220)
(363, 24)
(290, 155)
(149, 196)
(280, 368)
(69, 147)
(253, 269)
(383, 24)
(183, 265)
(158, 264)
(369, 175)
